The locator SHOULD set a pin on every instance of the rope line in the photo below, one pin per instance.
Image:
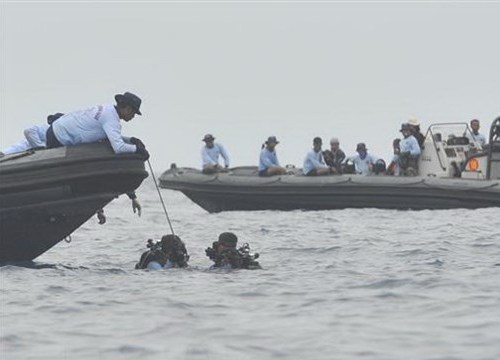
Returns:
(161, 198)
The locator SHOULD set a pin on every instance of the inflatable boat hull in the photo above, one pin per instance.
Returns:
(46, 195)
(242, 190)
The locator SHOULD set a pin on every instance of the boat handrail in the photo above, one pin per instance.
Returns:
(493, 139)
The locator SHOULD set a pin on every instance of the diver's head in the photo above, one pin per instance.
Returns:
(227, 240)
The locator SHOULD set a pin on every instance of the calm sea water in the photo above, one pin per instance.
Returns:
(350, 284)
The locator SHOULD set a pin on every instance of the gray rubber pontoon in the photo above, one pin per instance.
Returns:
(45, 195)
(242, 189)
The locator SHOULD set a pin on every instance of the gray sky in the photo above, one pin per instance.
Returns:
(244, 71)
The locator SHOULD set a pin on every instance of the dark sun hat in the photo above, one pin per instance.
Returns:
(208, 137)
(130, 99)
(361, 147)
(272, 140)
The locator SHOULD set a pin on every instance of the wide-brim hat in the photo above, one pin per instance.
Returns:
(414, 122)
(361, 146)
(272, 140)
(208, 137)
(130, 99)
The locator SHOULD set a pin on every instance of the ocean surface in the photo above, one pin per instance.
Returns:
(349, 284)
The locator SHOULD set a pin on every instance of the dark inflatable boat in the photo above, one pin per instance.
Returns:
(45, 195)
(454, 173)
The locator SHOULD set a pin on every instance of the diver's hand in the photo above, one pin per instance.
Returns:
(136, 206)
(101, 216)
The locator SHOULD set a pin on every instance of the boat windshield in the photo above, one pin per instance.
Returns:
(450, 133)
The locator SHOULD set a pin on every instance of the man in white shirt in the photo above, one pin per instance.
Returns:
(210, 156)
(363, 162)
(99, 123)
(475, 137)
(409, 152)
(314, 164)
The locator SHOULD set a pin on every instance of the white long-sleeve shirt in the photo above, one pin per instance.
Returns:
(267, 159)
(92, 125)
(313, 160)
(36, 135)
(410, 144)
(210, 156)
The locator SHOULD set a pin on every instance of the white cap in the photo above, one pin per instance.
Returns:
(413, 122)
(334, 140)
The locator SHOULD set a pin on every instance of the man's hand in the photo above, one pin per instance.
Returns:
(137, 142)
(136, 206)
(143, 152)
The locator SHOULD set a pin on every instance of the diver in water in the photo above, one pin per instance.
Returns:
(167, 253)
(225, 254)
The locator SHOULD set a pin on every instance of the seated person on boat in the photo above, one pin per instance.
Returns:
(363, 162)
(335, 156)
(314, 165)
(268, 161)
(225, 254)
(210, 156)
(167, 253)
(409, 152)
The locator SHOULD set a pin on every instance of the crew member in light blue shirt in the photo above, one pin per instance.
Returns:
(314, 164)
(99, 123)
(475, 137)
(268, 161)
(210, 156)
(363, 162)
(409, 152)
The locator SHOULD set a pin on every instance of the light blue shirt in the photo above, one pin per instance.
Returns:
(210, 156)
(92, 125)
(410, 144)
(478, 139)
(313, 160)
(362, 166)
(268, 159)
(37, 135)
(21, 146)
